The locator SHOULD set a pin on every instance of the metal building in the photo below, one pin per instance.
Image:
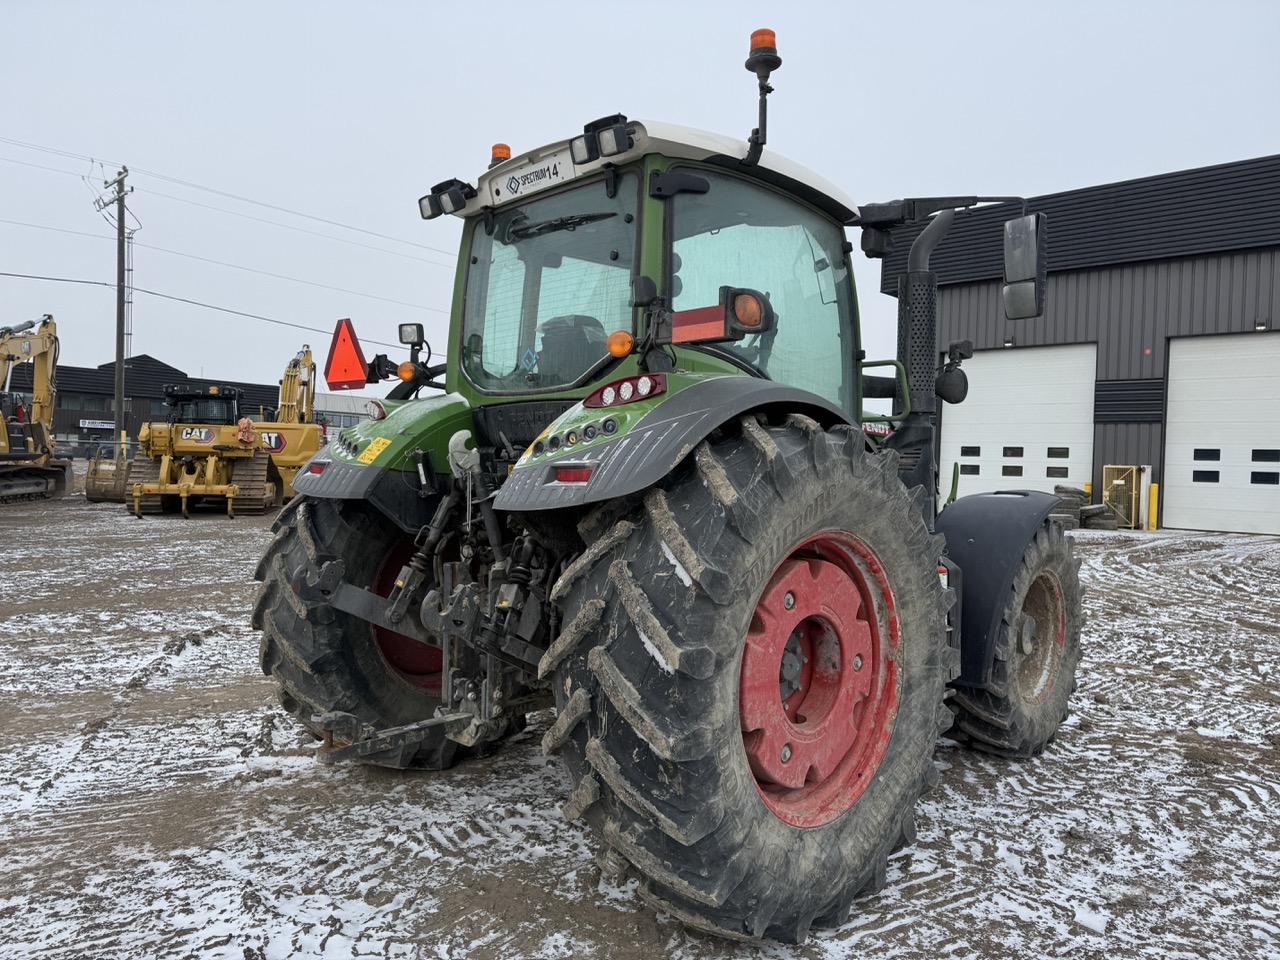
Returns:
(1158, 351)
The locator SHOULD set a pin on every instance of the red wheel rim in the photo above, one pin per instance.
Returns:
(818, 694)
(415, 662)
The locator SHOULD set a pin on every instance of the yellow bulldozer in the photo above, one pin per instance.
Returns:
(29, 465)
(209, 450)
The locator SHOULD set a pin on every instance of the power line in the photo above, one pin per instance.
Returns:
(40, 166)
(289, 226)
(248, 216)
(194, 303)
(233, 266)
(232, 196)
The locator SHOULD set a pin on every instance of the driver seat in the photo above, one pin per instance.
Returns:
(571, 345)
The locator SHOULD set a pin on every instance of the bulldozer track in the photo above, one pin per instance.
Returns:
(143, 469)
(251, 477)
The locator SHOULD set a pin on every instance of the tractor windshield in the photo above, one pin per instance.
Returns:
(549, 280)
(740, 233)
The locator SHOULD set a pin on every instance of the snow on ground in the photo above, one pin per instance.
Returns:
(155, 802)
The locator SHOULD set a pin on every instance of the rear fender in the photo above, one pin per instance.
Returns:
(653, 437)
(375, 460)
(987, 535)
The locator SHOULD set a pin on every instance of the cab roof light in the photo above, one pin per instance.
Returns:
(448, 197)
(606, 137)
(762, 61)
(628, 390)
(501, 152)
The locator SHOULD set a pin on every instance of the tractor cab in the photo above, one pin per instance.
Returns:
(621, 251)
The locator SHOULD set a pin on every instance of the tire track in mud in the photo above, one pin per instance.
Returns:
(195, 822)
(1169, 758)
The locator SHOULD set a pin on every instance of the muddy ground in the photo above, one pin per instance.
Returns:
(155, 801)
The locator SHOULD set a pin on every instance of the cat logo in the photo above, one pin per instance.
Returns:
(198, 434)
(274, 442)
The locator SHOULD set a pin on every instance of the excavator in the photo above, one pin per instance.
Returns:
(209, 449)
(29, 466)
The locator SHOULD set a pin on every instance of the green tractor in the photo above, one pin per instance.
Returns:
(645, 497)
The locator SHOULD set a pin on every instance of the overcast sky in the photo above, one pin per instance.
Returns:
(348, 112)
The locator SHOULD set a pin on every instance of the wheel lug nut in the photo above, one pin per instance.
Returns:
(786, 752)
(789, 601)
(857, 662)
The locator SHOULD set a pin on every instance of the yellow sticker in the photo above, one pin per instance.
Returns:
(371, 452)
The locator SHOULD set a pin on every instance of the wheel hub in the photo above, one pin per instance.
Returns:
(1042, 639)
(818, 688)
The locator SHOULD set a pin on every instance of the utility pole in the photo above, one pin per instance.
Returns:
(101, 203)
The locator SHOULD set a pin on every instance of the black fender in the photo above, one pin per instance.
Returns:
(987, 534)
(650, 450)
(394, 492)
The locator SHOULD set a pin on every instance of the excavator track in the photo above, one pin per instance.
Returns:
(143, 469)
(30, 483)
(257, 494)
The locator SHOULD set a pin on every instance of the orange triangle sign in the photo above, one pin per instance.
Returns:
(346, 368)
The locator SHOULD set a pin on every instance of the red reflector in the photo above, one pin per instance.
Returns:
(346, 368)
(573, 474)
(317, 468)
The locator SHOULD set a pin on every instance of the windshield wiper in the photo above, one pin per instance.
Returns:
(522, 231)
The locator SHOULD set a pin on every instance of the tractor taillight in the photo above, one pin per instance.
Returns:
(628, 390)
(573, 474)
(317, 468)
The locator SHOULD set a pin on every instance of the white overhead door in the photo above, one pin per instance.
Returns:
(1027, 423)
(1222, 434)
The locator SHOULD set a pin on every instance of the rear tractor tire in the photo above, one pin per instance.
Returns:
(325, 660)
(750, 679)
(1037, 650)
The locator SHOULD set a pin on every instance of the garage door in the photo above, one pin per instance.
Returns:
(1027, 423)
(1222, 435)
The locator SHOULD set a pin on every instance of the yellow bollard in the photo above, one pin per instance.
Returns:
(1153, 503)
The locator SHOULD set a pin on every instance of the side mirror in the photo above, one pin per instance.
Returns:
(643, 291)
(1026, 269)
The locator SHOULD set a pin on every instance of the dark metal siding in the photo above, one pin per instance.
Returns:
(1128, 401)
(1126, 444)
(1127, 309)
(1210, 210)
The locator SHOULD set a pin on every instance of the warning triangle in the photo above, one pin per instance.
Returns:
(346, 368)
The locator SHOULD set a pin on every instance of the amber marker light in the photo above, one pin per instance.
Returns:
(501, 152)
(747, 310)
(620, 343)
(764, 39)
(406, 371)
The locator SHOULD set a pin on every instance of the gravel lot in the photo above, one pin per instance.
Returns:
(155, 802)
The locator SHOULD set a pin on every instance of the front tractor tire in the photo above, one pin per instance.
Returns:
(751, 679)
(323, 659)
(1037, 650)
